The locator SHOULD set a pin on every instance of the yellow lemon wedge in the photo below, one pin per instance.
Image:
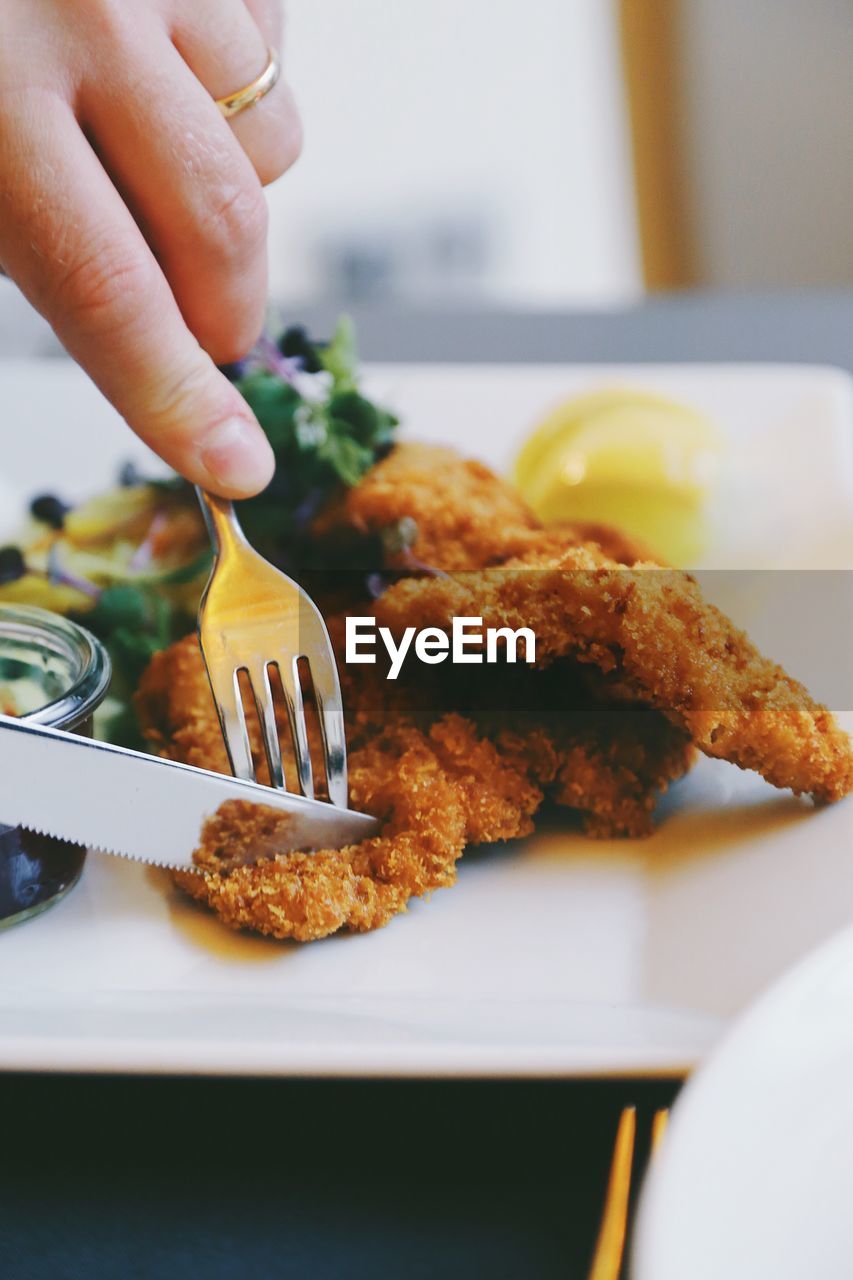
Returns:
(628, 458)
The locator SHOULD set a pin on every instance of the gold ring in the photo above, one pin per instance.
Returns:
(234, 103)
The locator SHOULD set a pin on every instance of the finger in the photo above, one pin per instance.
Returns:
(190, 187)
(74, 249)
(227, 49)
(269, 16)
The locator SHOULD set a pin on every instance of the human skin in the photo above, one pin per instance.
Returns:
(132, 213)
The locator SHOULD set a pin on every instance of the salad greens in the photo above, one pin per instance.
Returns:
(131, 564)
(323, 431)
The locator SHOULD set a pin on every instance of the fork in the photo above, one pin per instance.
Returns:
(613, 1230)
(253, 618)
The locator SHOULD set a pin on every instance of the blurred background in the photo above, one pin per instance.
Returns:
(491, 158)
(565, 153)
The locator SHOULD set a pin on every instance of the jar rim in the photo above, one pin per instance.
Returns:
(91, 663)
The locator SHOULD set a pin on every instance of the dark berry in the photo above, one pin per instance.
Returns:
(235, 371)
(50, 510)
(296, 345)
(12, 565)
(129, 475)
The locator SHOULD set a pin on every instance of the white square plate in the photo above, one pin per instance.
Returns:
(552, 956)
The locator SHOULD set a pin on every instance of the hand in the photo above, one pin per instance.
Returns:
(131, 211)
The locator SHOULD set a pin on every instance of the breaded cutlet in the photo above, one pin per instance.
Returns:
(438, 780)
(464, 516)
(597, 596)
(655, 639)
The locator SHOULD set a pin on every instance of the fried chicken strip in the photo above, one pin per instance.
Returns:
(463, 516)
(648, 629)
(439, 781)
(651, 633)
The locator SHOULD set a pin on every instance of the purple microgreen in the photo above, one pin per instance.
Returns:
(411, 561)
(308, 508)
(288, 368)
(144, 553)
(377, 584)
(59, 576)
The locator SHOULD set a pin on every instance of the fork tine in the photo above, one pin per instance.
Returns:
(296, 715)
(250, 612)
(327, 690)
(259, 678)
(232, 718)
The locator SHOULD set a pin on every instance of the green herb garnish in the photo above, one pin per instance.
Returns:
(324, 432)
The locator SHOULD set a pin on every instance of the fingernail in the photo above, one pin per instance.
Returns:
(238, 456)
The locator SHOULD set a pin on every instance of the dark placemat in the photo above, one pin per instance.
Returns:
(128, 1177)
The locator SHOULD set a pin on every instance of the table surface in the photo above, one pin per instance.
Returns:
(332, 1179)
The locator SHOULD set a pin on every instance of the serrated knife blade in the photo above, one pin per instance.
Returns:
(138, 806)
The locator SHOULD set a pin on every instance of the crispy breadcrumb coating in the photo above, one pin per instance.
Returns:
(439, 781)
(648, 630)
(435, 793)
(466, 517)
(651, 633)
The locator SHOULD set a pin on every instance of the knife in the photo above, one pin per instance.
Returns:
(138, 806)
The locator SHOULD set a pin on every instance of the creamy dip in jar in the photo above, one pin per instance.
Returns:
(52, 672)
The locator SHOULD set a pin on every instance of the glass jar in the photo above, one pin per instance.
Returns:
(52, 672)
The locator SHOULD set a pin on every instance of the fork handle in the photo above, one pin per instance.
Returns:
(221, 520)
